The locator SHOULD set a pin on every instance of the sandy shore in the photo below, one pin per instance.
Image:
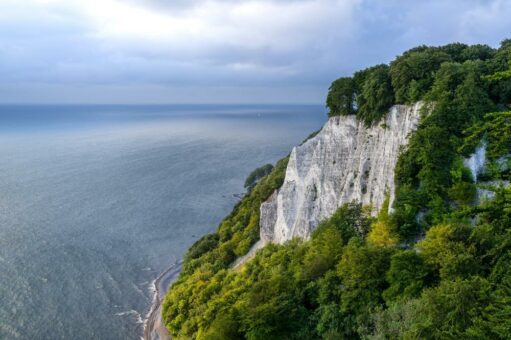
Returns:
(154, 329)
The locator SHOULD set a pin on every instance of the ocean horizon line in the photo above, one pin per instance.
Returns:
(162, 104)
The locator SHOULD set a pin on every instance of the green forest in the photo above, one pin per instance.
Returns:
(437, 267)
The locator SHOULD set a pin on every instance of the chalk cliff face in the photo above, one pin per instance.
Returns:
(344, 162)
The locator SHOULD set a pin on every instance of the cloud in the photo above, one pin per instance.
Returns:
(187, 4)
(208, 44)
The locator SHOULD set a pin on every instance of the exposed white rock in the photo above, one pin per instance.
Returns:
(476, 161)
(344, 162)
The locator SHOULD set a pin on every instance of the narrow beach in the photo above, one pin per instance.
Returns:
(154, 328)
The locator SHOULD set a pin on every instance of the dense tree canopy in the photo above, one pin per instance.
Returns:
(376, 95)
(341, 97)
(413, 73)
(410, 77)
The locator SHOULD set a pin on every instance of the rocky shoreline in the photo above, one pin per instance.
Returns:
(154, 328)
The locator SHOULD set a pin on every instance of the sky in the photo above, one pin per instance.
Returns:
(218, 51)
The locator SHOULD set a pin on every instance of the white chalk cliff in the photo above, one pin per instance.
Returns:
(344, 162)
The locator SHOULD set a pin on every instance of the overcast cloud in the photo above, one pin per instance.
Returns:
(218, 51)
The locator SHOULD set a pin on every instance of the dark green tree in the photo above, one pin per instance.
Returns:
(256, 175)
(362, 272)
(413, 73)
(407, 276)
(341, 97)
(376, 95)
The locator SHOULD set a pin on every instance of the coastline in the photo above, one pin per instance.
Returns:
(154, 328)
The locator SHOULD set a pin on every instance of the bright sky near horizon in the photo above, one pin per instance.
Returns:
(218, 51)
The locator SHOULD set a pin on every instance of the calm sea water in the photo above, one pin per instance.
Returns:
(96, 201)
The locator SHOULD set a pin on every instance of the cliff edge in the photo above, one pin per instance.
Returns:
(346, 161)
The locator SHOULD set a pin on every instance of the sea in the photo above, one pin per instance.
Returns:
(97, 200)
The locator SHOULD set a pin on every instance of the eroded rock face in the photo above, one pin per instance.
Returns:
(345, 162)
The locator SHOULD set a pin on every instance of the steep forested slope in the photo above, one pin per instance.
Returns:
(437, 266)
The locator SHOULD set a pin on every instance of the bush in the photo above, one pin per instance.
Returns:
(257, 174)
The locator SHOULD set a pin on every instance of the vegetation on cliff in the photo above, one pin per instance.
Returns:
(438, 266)
(256, 175)
(214, 253)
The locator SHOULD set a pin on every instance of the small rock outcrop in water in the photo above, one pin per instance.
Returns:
(344, 162)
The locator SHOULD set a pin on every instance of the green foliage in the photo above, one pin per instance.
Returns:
(462, 193)
(500, 83)
(288, 291)
(443, 312)
(368, 94)
(407, 276)
(447, 250)
(425, 170)
(495, 130)
(351, 220)
(204, 245)
(240, 229)
(257, 174)
(463, 190)
(382, 232)
(362, 273)
(398, 321)
(454, 284)
(495, 319)
(469, 299)
(376, 95)
(341, 97)
(452, 81)
(500, 75)
(462, 52)
(209, 258)
(412, 73)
